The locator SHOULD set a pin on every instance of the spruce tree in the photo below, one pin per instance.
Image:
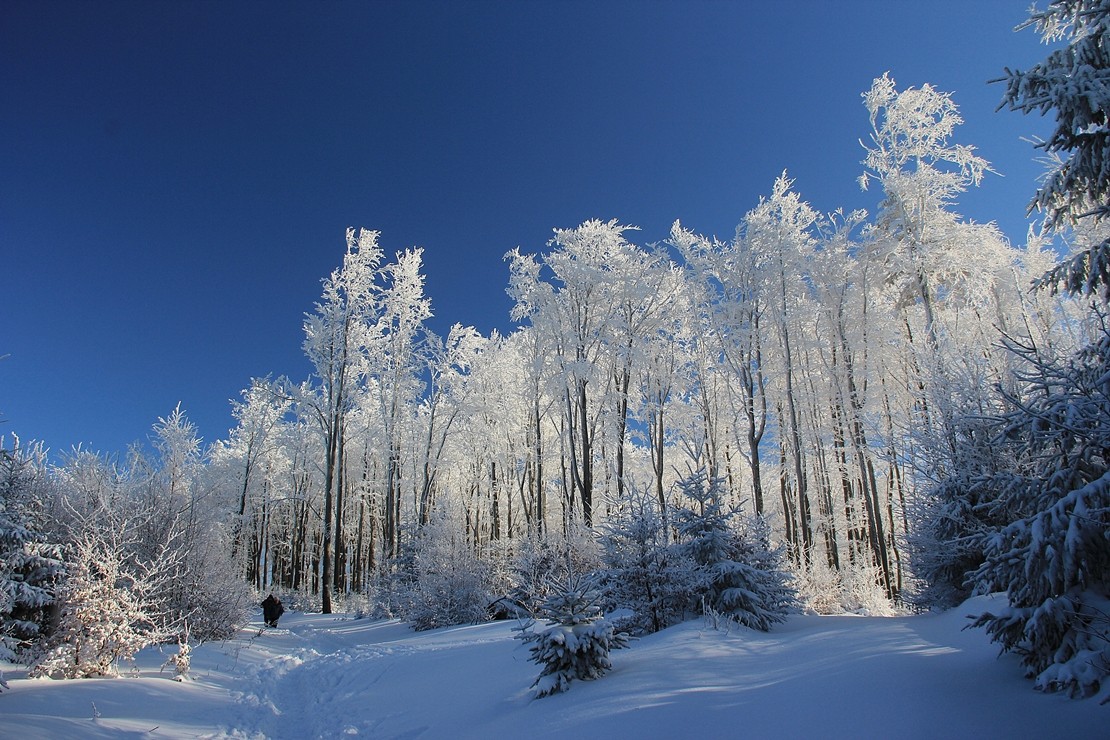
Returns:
(740, 575)
(1070, 83)
(29, 565)
(577, 640)
(1051, 554)
(643, 573)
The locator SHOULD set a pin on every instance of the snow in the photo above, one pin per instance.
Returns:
(326, 676)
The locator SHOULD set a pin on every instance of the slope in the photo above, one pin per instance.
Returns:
(325, 676)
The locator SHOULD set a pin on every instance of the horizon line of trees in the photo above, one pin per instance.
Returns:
(819, 365)
(822, 366)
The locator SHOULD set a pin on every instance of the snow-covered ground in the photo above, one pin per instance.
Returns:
(322, 676)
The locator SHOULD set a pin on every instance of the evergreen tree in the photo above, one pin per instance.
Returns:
(29, 566)
(1051, 554)
(643, 573)
(1071, 83)
(578, 639)
(739, 574)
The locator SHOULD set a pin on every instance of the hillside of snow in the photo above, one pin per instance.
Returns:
(320, 676)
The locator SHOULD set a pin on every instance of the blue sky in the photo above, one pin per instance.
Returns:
(176, 177)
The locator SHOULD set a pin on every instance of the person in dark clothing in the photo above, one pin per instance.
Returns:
(271, 610)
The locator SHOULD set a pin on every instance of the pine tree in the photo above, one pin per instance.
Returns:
(29, 566)
(740, 574)
(578, 639)
(643, 573)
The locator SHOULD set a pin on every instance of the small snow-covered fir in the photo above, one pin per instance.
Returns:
(576, 643)
(739, 573)
(30, 566)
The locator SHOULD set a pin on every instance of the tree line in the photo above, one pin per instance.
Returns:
(878, 393)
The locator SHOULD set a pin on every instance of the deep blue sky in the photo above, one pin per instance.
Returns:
(176, 177)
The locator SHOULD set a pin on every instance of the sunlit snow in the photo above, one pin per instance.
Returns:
(318, 676)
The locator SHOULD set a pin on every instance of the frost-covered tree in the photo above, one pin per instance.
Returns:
(643, 573)
(740, 574)
(921, 172)
(1071, 84)
(577, 641)
(29, 565)
(726, 283)
(451, 584)
(593, 299)
(366, 342)
(779, 234)
(448, 362)
(107, 611)
(162, 521)
(253, 457)
(334, 338)
(395, 358)
(949, 282)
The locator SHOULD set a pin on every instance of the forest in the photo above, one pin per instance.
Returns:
(833, 412)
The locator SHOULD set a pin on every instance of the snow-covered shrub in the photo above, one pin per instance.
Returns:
(358, 605)
(393, 586)
(819, 588)
(104, 615)
(854, 589)
(950, 521)
(181, 660)
(499, 557)
(214, 602)
(452, 584)
(206, 588)
(740, 574)
(156, 512)
(577, 640)
(643, 572)
(861, 591)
